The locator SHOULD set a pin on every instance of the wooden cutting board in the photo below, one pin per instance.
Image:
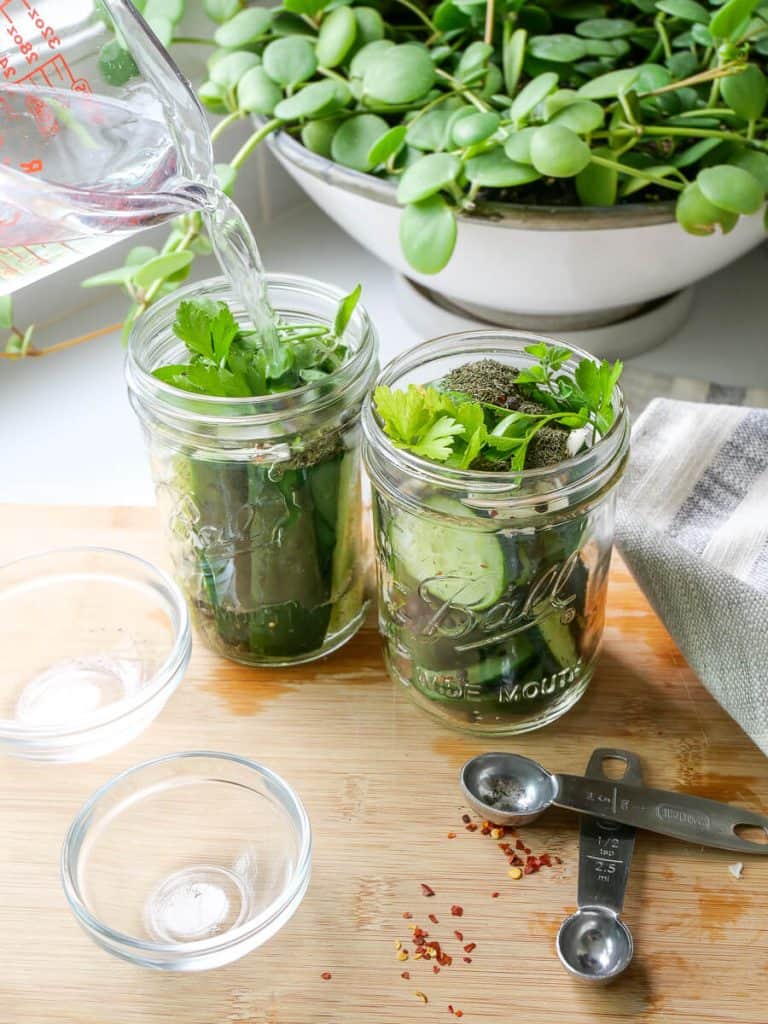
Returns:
(380, 783)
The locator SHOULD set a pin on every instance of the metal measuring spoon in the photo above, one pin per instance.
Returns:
(594, 943)
(513, 790)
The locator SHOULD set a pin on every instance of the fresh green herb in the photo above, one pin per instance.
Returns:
(230, 362)
(453, 427)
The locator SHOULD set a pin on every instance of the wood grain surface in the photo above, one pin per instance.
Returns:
(380, 783)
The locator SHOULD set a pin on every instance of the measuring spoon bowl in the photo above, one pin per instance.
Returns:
(594, 944)
(507, 788)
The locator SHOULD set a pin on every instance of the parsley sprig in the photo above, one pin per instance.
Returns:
(230, 362)
(450, 428)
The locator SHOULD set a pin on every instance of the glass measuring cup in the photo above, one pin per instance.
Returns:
(100, 134)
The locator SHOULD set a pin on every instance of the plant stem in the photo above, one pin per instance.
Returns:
(61, 345)
(688, 133)
(419, 14)
(194, 40)
(637, 172)
(250, 144)
(659, 26)
(703, 76)
(489, 19)
(222, 126)
(462, 88)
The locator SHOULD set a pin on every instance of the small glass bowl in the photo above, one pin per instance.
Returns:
(187, 862)
(98, 642)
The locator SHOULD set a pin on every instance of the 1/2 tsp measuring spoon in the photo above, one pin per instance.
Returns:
(513, 790)
(594, 944)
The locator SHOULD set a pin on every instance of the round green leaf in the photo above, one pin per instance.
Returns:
(244, 29)
(754, 162)
(336, 36)
(370, 25)
(161, 267)
(518, 145)
(513, 57)
(226, 176)
(310, 101)
(610, 48)
(746, 93)
(559, 47)
(474, 128)
(596, 185)
(609, 85)
(400, 74)
(686, 10)
(290, 61)
(366, 56)
(428, 234)
(727, 22)
(257, 93)
(474, 58)
(354, 138)
(213, 97)
(427, 176)
(221, 10)
(430, 132)
(731, 188)
(697, 215)
(388, 145)
(116, 64)
(448, 16)
(317, 135)
(229, 69)
(558, 152)
(652, 76)
(494, 169)
(605, 28)
(702, 35)
(532, 94)
(582, 117)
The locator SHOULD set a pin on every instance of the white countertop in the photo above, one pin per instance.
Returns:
(70, 436)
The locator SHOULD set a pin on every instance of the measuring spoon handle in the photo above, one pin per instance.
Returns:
(692, 818)
(606, 847)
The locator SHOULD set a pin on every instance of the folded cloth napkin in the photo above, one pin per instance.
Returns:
(693, 528)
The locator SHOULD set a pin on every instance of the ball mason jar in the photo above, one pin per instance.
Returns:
(504, 637)
(261, 496)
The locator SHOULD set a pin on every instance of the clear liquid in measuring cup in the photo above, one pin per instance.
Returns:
(105, 168)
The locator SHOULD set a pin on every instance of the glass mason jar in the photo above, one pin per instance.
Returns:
(491, 584)
(261, 496)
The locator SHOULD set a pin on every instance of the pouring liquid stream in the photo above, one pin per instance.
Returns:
(86, 189)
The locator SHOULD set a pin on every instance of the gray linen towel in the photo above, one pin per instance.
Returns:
(693, 528)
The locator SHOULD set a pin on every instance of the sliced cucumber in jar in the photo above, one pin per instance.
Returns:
(461, 565)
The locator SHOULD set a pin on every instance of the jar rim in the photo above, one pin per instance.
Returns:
(254, 408)
(480, 340)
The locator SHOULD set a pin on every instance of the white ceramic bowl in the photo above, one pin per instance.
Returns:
(572, 267)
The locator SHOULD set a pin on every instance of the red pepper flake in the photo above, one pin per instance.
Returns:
(529, 869)
(435, 969)
(526, 850)
(505, 847)
(326, 975)
(451, 835)
(427, 890)
(444, 959)
(467, 959)
(433, 919)
(450, 1008)
(458, 1013)
(546, 860)
(466, 819)
(519, 844)
(470, 946)
(407, 915)
(459, 936)
(406, 975)
(557, 860)
(486, 829)
(456, 910)
(494, 895)
(472, 827)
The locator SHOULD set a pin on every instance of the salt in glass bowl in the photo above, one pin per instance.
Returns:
(96, 642)
(187, 862)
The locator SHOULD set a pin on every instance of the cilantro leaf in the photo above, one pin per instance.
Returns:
(437, 440)
(206, 327)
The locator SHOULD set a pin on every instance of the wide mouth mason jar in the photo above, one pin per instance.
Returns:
(261, 496)
(504, 637)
